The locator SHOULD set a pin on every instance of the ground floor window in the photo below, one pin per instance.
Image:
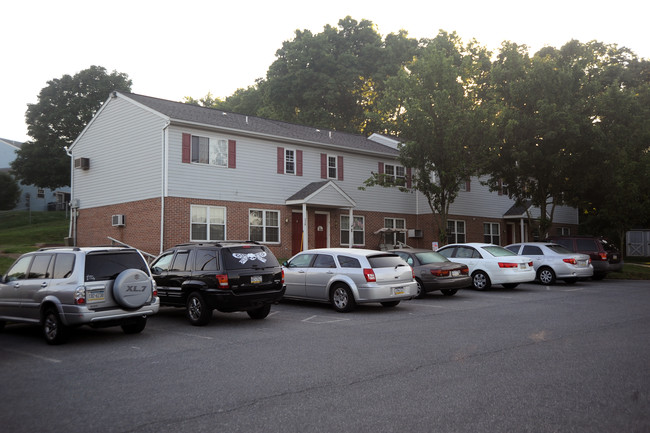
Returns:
(395, 238)
(264, 225)
(358, 230)
(455, 231)
(563, 231)
(491, 233)
(208, 223)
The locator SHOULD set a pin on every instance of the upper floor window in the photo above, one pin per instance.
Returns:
(289, 161)
(396, 172)
(331, 167)
(207, 151)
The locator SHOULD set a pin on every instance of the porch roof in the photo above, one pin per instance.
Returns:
(325, 193)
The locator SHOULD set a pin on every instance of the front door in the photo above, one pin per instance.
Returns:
(296, 233)
(320, 231)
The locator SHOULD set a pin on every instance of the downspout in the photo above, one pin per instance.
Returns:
(163, 186)
(72, 230)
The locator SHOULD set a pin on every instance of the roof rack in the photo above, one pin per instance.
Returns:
(217, 243)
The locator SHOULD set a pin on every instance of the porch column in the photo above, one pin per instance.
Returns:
(521, 226)
(305, 220)
(351, 231)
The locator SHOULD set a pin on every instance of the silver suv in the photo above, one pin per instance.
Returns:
(61, 288)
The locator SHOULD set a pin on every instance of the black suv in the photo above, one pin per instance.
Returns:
(605, 257)
(225, 276)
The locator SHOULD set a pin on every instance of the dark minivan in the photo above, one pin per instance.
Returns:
(226, 276)
(605, 257)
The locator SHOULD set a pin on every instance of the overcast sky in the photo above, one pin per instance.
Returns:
(173, 49)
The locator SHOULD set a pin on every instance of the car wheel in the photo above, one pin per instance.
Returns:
(342, 299)
(420, 293)
(197, 310)
(135, 327)
(259, 313)
(132, 288)
(54, 331)
(481, 281)
(449, 292)
(510, 285)
(546, 276)
(390, 304)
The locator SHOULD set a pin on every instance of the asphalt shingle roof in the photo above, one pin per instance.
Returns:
(256, 125)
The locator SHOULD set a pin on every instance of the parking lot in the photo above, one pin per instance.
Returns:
(570, 358)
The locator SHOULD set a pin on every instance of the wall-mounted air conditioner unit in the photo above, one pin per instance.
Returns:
(118, 220)
(415, 233)
(82, 163)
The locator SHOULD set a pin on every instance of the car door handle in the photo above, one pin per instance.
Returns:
(16, 285)
(44, 284)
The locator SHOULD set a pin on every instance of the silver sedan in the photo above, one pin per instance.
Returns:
(552, 262)
(345, 277)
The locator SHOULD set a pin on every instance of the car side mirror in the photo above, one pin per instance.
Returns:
(156, 270)
(285, 264)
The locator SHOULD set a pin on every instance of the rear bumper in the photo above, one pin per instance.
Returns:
(386, 293)
(228, 301)
(447, 283)
(75, 315)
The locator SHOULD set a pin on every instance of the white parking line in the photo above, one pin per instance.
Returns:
(31, 355)
(319, 320)
(186, 334)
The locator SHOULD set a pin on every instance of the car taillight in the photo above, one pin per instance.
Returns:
(508, 265)
(222, 279)
(80, 295)
(282, 282)
(530, 264)
(569, 261)
(370, 275)
(439, 273)
(464, 271)
(154, 288)
(603, 256)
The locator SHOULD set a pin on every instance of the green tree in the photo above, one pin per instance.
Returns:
(435, 105)
(9, 191)
(64, 108)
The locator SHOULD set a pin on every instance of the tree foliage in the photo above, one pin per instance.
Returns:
(64, 108)
(435, 105)
(9, 191)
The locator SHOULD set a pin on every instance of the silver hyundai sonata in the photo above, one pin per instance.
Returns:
(346, 277)
(554, 262)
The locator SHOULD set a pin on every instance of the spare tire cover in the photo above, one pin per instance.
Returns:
(132, 288)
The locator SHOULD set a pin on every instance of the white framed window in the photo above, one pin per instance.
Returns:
(358, 230)
(564, 231)
(396, 172)
(264, 226)
(208, 223)
(395, 223)
(456, 231)
(491, 233)
(332, 167)
(209, 151)
(289, 161)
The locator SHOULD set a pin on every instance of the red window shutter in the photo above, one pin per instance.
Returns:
(323, 166)
(340, 167)
(409, 182)
(187, 148)
(380, 169)
(280, 160)
(298, 162)
(232, 154)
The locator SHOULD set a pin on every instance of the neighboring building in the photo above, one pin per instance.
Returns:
(153, 173)
(32, 197)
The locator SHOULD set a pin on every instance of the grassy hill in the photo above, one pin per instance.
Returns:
(23, 231)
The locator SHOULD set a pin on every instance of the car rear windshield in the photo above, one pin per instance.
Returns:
(558, 249)
(431, 257)
(499, 251)
(386, 261)
(248, 257)
(108, 265)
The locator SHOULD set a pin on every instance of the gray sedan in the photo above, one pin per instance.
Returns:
(345, 277)
(552, 262)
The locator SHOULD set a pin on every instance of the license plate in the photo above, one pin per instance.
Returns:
(398, 290)
(256, 279)
(582, 263)
(523, 266)
(455, 273)
(95, 296)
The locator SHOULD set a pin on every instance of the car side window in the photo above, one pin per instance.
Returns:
(324, 261)
(301, 261)
(63, 266)
(206, 260)
(466, 253)
(348, 262)
(447, 252)
(163, 263)
(566, 243)
(19, 270)
(531, 250)
(180, 261)
(40, 267)
(513, 248)
(407, 258)
(586, 245)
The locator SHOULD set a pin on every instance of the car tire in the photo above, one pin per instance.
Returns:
(390, 304)
(54, 331)
(197, 310)
(546, 276)
(342, 299)
(449, 292)
(259, 313)
(420, 293)
(136, 326)
(481, 281)
(132, 288)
